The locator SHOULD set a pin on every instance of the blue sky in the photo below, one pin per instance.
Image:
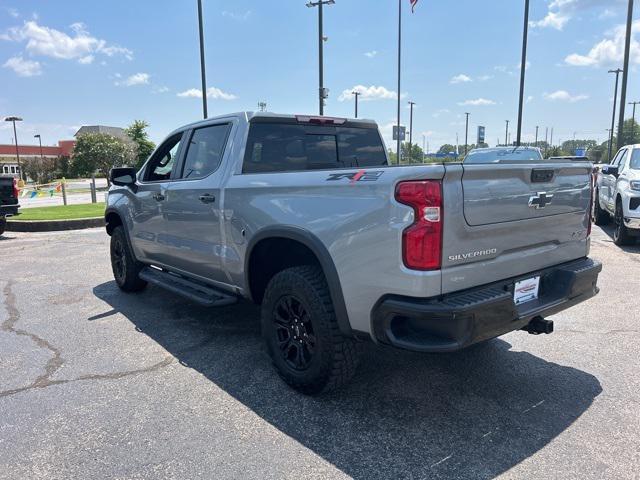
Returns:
(72, 63)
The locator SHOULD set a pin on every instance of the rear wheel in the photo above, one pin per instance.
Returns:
(300, 329)
(600, 217)
(620, 233)
(124, 265)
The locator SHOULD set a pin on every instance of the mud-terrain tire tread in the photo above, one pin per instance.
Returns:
(132, 281)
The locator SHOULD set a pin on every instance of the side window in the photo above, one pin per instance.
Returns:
(635, 159)
(205, 151)
(161, 164)
(617, 157)
(623, 161)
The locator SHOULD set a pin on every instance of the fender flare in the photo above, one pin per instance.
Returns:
(318, 248)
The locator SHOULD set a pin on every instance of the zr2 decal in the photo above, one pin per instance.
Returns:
(359, 176)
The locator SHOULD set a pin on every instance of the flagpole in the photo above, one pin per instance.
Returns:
(399, 65)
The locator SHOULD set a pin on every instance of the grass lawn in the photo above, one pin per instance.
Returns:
(88, 210)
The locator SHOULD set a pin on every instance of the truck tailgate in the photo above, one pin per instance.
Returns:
(506, 220)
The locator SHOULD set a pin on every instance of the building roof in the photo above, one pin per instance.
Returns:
(63, 149)
(114, 131)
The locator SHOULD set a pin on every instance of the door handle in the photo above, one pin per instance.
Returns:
(207, 198)
(158, 197)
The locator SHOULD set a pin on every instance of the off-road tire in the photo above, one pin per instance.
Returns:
(335, 356)
(600, 216)
(124, 265)
(621, 235)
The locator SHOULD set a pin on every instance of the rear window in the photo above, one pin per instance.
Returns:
(286, 147)
(488, 155)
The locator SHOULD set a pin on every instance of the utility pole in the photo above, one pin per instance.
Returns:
(546, 140)
(466, 133)
(617, 71)
(523, 68)
(411, 104)
(357, 94)
(202, 67)
(633, 121)
(506, 134)
(625, 73)
(609, 141)
(322, 94)
(537, 135)
(424, 139)
(551, 140)
(399, 69)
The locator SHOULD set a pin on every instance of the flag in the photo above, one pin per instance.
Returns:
(413, 5)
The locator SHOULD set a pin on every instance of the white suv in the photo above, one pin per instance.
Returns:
(618, 194)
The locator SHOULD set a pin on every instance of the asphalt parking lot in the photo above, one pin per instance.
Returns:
(95, 383)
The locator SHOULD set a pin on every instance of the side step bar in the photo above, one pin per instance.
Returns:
(197, 292)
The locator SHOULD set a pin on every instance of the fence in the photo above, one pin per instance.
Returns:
(65, 192)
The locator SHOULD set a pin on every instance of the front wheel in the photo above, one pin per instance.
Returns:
(124, 265)
(301, 332)
(620, 232)
(600, 217)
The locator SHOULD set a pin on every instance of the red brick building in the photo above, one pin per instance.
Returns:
(9, 161)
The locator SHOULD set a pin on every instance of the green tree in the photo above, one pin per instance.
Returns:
(631, 133)
(99, 153)
(137, 132)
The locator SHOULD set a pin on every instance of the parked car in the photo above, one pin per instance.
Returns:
(304, 216)
(617, 195)
(8, 200)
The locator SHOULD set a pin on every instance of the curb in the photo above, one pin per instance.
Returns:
(53, 225)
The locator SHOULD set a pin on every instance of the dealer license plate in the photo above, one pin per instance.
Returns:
(526, 290)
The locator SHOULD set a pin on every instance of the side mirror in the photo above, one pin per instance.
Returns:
(123, 176)
(610, 170)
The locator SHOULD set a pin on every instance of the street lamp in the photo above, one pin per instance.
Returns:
(523, 68)
(411, 104)
(537, 128)
(15, 136)
(506, 134)
(322, 93)
(633, 121)
(357, 94)
(202, 69)
(466, 133)
(617, 71)
(625, 74)
(40, 141)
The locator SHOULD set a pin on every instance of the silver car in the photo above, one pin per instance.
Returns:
(618, 195)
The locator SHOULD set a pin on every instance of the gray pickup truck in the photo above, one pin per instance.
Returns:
(617, 195)
(304, 216)
(8, 200)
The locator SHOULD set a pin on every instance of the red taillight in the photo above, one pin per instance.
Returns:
(15, 188)
(422, 240)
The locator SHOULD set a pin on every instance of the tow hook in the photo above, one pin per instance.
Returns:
(539, 325)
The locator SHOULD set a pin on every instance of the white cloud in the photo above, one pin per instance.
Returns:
(530, 99)
(368, 93)
(160, 89)
(22, 67)
(610, 50)
(240, 17)
(86, 60)
(135, 79)
(371, 54)
(564, 96)
(462, 78)
(49, 42)
(479, 102)
(13, 12)
(561, 12)
(212, 92)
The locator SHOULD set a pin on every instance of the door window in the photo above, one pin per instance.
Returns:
(205, 151)
(623, 161)
(161, 164)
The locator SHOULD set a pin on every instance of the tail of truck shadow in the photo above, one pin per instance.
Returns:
(473, 414)
(632, 248)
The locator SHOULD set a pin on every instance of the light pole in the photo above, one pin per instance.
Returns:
(625, 73)
(466, 132)
(424, 140)
(633, 121)
(617, 71)
(411, 104)
(399, 153)
(356, 94)
(15, 136)
(537, 127)
(203, 74)
(609, 141)
(546, 140)
(506, 134)
(40, 141)
(523, 68)
(321, 91)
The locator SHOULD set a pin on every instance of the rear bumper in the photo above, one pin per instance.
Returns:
(8, 210)
(455, 321)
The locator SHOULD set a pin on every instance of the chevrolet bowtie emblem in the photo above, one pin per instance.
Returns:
(540, 200)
